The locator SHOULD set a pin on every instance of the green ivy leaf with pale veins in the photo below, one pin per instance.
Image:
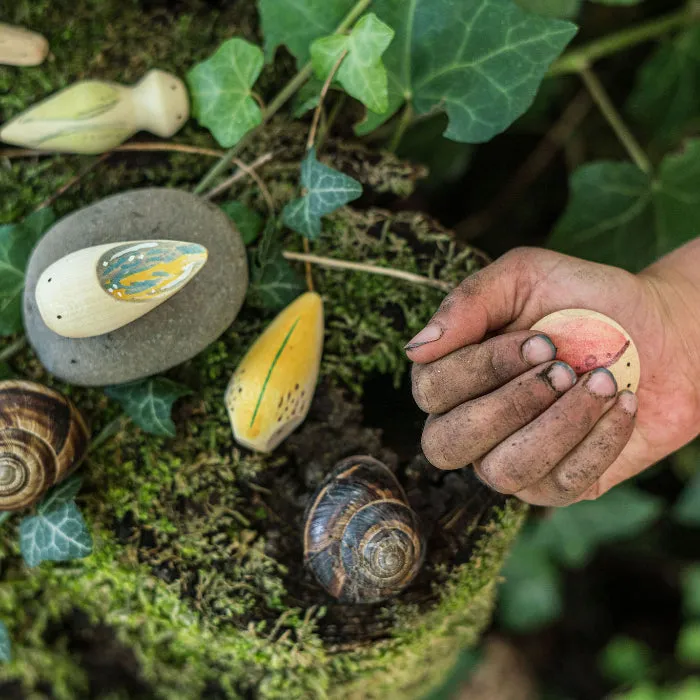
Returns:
(149, 403)
(5, 643)
(60, 535)
(481, 62)
(16, 243)
(666, 95)
(621, 216)
(564, 9)
(324, 191)
(273, 282)
(60, 494)
(248, 222)
(361, 73)
(221, 92)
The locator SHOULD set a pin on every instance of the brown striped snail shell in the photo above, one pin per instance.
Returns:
(362, 540)
(42, 439)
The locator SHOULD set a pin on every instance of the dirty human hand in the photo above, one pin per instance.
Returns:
(529, 426)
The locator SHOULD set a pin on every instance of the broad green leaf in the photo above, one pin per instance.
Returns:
(221, 91)
(621, 216)
(361, 73)
(60, 535)
(248, 222)
(688, 644)
(481, 61)
(149, 402)
(61, 494)
(298, 23)
(643, 691)
(273, 282)
(686, 510)
(690, 585)
(324, 191)
(531, 594)
(564, 9)
(666, 95)
(572, 534)
(625, 660)
(16, 243)
(5, 643)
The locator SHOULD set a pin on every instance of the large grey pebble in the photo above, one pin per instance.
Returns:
(172, 333)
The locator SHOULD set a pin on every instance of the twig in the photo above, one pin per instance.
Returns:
(279, 101)
(326, 127)
(536, 163)
(242, 171)
(602, 99)
(138, 146)
(73, 181)
(322, 97)
(372, 269)
(12, 349)
(307, 266)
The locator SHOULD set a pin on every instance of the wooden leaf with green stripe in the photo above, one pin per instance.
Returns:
(270, 392)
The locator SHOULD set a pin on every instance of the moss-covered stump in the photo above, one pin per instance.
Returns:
(196, 588)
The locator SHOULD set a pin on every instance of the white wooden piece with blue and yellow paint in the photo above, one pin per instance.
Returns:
(94, 116)
(270, 392)
(99, 289)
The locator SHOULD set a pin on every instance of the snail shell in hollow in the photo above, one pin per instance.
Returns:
(362, 540)
(42, 439)
(99, 289)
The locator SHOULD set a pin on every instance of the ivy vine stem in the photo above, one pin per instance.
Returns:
(290, 89)
(574, 61)
(627, 139)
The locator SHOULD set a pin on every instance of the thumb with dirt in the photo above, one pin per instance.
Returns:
(498, 399)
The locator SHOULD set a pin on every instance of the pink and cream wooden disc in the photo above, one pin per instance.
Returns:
(588, 339)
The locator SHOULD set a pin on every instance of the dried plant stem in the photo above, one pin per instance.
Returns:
(242, 171)
(627, 139)
(307, 266)
(12, 349)
(73, 181)
(279, 101)
(322, 97)
(372, 269)
(138, 147)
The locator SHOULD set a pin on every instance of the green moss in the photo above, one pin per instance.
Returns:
(197, 568)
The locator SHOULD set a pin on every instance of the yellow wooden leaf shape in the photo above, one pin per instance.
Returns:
(270, 392)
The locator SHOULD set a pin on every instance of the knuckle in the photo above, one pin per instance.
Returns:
(566, 484)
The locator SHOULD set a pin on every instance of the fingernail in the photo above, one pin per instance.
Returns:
(429, 334)
(538, 349)
(561, 377)
(628, 402)
(602, 383)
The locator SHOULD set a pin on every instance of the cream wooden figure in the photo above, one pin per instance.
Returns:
(588, 339)
(93, 116)
(20, 47)
(97, 290)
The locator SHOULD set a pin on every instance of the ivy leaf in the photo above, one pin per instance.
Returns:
(60, 535)
(666, 95)
(563, 9)
(572, 535)
(61, 494)
(481, 62)
(361, 73)
(5, 643)
(297, 23)
(688, 645)
(325, 191)
(619, 215)
(248, 222)
(221, 91)
(16, 243)
(625, 660)
(273, 282)
(149, 402)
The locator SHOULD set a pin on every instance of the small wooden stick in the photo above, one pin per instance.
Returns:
(242, 171)
(322, 97)
(73, 181)
(372, 269)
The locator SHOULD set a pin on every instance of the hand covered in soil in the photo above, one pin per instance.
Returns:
(498, 400)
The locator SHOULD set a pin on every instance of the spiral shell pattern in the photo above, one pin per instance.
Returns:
(42, 439)
(362, 540)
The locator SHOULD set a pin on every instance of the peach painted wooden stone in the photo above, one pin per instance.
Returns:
(588, 339)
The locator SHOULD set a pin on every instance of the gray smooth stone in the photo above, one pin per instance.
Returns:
(172, 333)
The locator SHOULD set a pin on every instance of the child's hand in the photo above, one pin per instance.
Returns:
(524, 422)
